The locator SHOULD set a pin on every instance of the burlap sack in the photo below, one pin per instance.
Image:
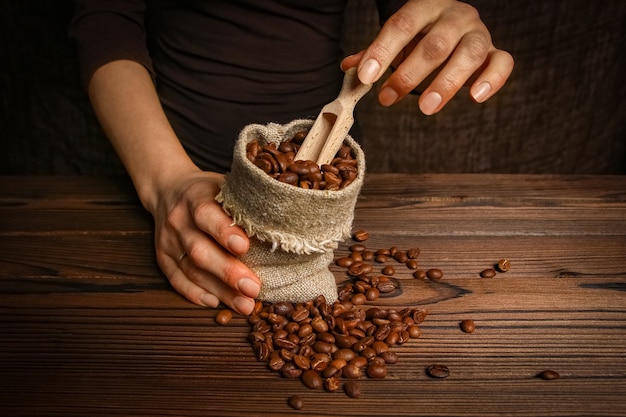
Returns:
(293, 231)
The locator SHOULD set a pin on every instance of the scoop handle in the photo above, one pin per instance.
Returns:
(351, 92)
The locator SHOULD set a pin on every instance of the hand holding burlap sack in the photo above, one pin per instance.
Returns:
(293, 231)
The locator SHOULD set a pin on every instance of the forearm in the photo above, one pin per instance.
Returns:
(127, 106)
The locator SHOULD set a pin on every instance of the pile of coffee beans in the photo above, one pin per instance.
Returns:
(278, 162)
(325, 344)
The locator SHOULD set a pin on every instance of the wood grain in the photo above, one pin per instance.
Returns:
(91, 327)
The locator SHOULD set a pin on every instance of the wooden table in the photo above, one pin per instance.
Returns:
(90, 327)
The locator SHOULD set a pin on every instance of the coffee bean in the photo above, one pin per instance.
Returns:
(344, 262)
(434, 274)
(548, 375)
(389, 357)
(351, 371)
(358, 299)
(223, 316)
(488, 273)
(296, 402)
(438, 371)
(312, 379)
(411, 264)
(357, 247)
(413, 253)
(377, 371)
(332, 383)
(352, 389)
(389, 270)
(372, 294)
(419, 274)
(360, 235)
(504, 265)
(386, 286)
(468, 326)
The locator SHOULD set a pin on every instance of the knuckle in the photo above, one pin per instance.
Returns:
(404, 81)
(196, 252)
(436, 48)
(402, 23)
(476, 48)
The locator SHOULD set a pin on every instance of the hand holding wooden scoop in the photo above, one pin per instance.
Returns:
(333, 123)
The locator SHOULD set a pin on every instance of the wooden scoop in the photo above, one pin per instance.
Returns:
(333, 123)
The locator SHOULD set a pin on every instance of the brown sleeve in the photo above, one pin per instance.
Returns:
(105, 31)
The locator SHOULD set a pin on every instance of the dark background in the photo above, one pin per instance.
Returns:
(562, 111)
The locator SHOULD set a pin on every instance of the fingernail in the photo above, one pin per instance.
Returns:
(248, 287)
(481, 92)
(388, 96)
(237, 244)
(243, 305)
(430, 102)
(209, 300)
(369, 71)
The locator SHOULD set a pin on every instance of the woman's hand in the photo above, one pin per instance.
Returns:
(197, 245)
(445, 38)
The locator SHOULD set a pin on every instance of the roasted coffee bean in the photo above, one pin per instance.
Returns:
(401, 257)
(367, 255)
(381, 259)
(300, 314)
(386, 286)
(548, 375)
(223, 316)
(319, 324)
(389, 270)
(376, 371)
(358, 299)
(296, 402)
(262, 351)
(438, 371)
(360, 236)
(468, 326)
(332, 383)
(346, 354)
(288, 178)
(275, 362)
(434, 273)
(419, 315)
(302, 362)
(331, 371)
(351, 371)
(413, 253)
(412, 264)
(312, 379)
(372, 294)
(414, 331)
(389, 357)
(358, 247)
(352, 389)
(488, 273)
(504, 265)
(359, 361)
(419, 274)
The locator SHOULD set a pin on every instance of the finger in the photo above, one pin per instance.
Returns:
(498, 69)
(396, 33)
(469, 56)
(351, 61)
(194, 278)
(209, 256)
(211, 218)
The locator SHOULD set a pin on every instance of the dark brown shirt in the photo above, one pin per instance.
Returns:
(220, 65)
